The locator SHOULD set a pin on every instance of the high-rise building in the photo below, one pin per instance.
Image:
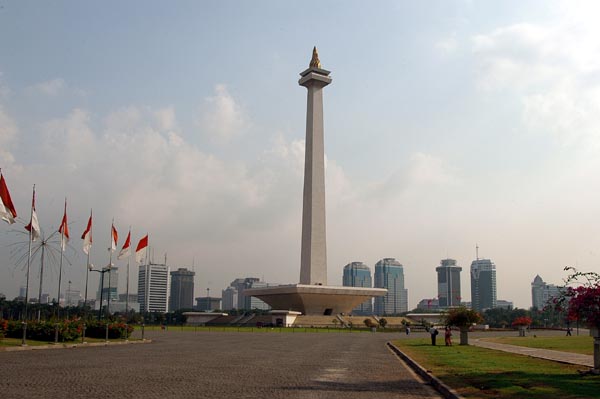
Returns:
(448, 279)
(153, 283)
(229, 298)
(182, 289)
(246, 301)
(357, 274)
(389, 274)
(208, 304)
(110, 279)
(483, 285)
(542, 293)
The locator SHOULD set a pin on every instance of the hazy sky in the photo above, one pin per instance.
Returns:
(448, 123)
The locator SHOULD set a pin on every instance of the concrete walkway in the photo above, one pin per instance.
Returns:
(557, 356)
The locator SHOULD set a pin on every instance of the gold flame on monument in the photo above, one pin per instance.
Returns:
(314, 62)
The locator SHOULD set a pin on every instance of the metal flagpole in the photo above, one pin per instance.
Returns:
(24, 340)
(87, 275)
(62, 249)
(110, 250)
(41, 281)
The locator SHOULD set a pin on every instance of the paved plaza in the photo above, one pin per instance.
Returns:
(217, 365)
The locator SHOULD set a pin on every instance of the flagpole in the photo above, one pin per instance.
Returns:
(62, 245)
(87, 275)
(127, 289)
(112, 226)
(24, 340)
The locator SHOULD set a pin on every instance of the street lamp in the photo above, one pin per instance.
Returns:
(101, 271)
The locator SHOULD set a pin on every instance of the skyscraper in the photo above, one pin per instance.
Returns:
(357, 274)
(389, 274)
(542, 293)
(483, 285)
(448, 279)
(182, 289)
(153, 284)
(229, 298)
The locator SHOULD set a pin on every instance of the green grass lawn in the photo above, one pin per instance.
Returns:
(575, 344)
(484, 373)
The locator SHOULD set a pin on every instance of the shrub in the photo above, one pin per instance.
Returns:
(462, 317)
(521, 321)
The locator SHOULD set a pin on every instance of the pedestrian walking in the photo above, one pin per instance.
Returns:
(407, 330)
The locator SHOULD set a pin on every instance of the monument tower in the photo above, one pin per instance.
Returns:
(313, 257)
(312, 296)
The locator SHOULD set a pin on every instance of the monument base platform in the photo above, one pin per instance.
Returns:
(315, 299)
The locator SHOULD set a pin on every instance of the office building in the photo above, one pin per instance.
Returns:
(448, 282)
(229, 298)
(153, 283)
(542, 293)
(389, 274)
(208, 304)
(357, 274)
(182, 289)
(428, 304)
(483, 285)
(246, 301)
(111, 284)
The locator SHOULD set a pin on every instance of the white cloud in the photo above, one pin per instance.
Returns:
(222, 118)
(552, 72)
(8, 133)
(447, 45)
(50, 88)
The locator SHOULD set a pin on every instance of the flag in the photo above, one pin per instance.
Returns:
(114, 237)
(87, 236)
(34, 226)
(140, 250)
(64, 230)
(8, 213)
(125, 251)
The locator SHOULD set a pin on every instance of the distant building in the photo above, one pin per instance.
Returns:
(357, 274)
(428, 304)
(483, 285)
(229, 298)
(502, 304)
(45, 299)
(249, 302)
(208, 304)
(22, 291)
(153, 283)
(448, 279)
(542, 293)
(182, 289)
(110, 278)
(389, 274)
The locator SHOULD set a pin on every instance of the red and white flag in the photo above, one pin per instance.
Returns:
(34, 226)
(87, 236)
(114, 237)
(8, 213)
(64, 230)
(126, 250)
(140, 250)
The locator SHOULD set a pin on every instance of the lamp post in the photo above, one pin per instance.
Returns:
(101, 271)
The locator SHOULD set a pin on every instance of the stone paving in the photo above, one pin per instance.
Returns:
(557, 356)
(217, 365)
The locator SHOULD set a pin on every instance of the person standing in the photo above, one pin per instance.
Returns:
(434, 332)
(448, 336)
(407, 330)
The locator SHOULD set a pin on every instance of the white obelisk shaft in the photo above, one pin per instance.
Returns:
(313, 261)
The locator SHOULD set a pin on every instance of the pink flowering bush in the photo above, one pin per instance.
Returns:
(583, 301)
(521, 321)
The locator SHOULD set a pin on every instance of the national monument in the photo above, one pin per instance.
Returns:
(312, 296)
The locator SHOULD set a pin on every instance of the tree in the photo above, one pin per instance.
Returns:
(581, 297)
(382, 322)
(463, 318)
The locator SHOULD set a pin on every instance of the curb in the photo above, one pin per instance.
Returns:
(439, 386)
(71, 346)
